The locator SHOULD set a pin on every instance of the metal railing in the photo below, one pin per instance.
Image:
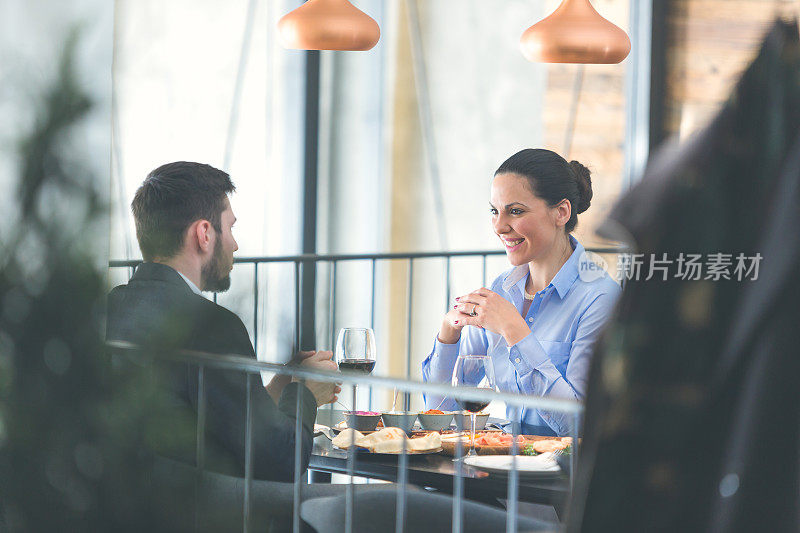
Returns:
(252, 368)
(304, 324)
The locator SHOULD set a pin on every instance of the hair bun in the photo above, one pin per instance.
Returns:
(583, 177)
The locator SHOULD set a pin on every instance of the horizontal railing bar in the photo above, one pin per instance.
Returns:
(362, 257)
(247, 364)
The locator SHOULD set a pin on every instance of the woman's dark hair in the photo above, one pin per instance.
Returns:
(552, 179)
(171, 199)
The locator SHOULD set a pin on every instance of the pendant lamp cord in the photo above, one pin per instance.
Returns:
(577, 88)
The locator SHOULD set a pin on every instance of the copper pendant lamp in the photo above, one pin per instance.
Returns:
(328, 25)
(575, 33)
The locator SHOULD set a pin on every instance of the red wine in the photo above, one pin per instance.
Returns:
(359, 365)
(473, 406)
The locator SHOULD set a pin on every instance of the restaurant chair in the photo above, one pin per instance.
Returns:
(220, 499)
(425, 512)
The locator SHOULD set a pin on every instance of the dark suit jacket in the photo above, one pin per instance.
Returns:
(157, 308)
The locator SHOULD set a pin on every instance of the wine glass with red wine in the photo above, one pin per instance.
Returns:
(477, 372)
(355, 351)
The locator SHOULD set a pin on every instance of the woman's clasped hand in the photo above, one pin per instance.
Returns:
(487, 310)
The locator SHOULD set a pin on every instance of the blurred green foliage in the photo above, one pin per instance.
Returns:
(74, 429)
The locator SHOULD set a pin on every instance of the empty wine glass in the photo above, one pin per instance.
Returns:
(355, 351)
(477, 372)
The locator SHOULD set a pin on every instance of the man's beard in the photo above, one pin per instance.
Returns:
(216, 274)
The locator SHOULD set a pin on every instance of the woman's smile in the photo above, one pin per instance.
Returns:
(511, 244)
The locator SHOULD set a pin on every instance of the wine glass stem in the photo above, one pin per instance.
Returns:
(472, 432)
(355, 397)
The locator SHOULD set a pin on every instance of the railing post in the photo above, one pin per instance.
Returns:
(296, 346)
(372, 315)
(447, 285)
(255, 307)
(201, 418)
(298, 445)
(350, 490)
(248, 455)
(410, 293)
(200, 453)
(332, 311)
(372, 298)
(513, 478)
(458, 482)
(573, 456)
(402, 483)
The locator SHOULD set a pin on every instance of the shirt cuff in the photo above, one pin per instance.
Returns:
(446, 355)
(526, 355)
(445, 350)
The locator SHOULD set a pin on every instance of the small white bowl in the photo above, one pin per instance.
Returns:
(463, 420)
(362, 422)
(404, 421)
(435, 422)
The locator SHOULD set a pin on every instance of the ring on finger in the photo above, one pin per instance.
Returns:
(474, 311)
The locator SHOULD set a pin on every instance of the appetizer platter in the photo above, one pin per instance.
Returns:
(498, 443)
(432, 432)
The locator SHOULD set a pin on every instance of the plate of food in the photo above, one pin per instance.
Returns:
(388, 441)
(499, 443)
(542, 465)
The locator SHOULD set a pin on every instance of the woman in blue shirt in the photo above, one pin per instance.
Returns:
(539, 319)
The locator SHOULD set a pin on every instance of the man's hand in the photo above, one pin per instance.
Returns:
(324, 392)
(299, 357)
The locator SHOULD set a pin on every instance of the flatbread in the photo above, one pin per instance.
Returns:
(388, 440)
(347, 438)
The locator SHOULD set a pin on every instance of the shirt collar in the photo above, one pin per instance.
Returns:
(563, 279)
(191, 285)
(568, 272)
(515, 276)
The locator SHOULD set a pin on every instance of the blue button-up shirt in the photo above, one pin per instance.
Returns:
(565, 318)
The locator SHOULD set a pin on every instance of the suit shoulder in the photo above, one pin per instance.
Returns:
(229, 329)
(219, 312)
(156, 312)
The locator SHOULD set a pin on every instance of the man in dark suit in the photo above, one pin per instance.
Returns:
(183, 224)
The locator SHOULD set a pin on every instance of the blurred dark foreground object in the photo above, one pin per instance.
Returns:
(694, 403)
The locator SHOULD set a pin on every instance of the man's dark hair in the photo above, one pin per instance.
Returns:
(172, 197)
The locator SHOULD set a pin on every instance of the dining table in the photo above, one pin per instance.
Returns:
(438, 471)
